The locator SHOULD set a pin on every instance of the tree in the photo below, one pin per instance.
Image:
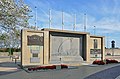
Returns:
(3, 40)
(14, 16)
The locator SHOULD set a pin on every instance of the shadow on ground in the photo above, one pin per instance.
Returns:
(7, 66)
(8, 72)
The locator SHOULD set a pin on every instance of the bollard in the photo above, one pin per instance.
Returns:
(15, 60)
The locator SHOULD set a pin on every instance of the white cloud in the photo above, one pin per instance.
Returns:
(109, 23)
(106, 22)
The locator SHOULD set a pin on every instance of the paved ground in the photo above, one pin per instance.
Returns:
(110, 73)
(82, 72)
(7, 66)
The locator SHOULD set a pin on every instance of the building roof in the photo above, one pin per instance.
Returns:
(64, 31)
(95, 36)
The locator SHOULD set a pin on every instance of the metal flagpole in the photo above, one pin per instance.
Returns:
(62, 20)
(74, 22)
(49, 18)
(85, 22)
(94, 30)
(36, 18)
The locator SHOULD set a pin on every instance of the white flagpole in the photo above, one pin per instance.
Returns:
(85, 22)
(62, 20)
(94, 30)
(74, 22)
(49, 18)
(36, 18)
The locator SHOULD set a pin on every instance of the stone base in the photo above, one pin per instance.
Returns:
(66, 60)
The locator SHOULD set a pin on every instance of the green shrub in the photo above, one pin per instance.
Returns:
(1, 50)
(10, 50)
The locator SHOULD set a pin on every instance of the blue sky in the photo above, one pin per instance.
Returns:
(104, 14)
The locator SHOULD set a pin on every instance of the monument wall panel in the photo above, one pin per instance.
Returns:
(32, 47)
(66, 47)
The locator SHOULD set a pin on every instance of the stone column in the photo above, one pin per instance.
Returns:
(87, 47)
(103, 48)
(46, 47)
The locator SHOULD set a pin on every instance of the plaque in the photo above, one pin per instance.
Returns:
(35, 40)
(35, 60)
(35, 51)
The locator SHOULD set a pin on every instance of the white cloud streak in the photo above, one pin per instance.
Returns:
(109, 22)
(106, 22)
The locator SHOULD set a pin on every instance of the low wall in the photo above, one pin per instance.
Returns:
(7, 53)
(113, 57)
(112, 51)
(4, 53)
(17, 53)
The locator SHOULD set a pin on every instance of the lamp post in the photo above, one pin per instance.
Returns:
(95, 41)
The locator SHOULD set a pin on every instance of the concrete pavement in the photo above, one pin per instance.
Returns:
(82, 72)
(110, 73)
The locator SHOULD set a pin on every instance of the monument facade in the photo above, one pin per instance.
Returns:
(51, 46)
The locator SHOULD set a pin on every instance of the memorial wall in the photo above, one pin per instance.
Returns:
(51, 46)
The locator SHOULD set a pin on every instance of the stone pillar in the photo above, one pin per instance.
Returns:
(26, 54)
(46, 47)
(87, 47)
(103, 48)
(24, 51)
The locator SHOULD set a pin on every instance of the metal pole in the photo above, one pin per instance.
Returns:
(62, 20)
(85, 22)
(94, 30)
(49, 18)
(36, 18)
(112, 51)
(15, 60)
(74, 22)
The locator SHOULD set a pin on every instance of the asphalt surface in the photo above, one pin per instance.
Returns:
(110, 71)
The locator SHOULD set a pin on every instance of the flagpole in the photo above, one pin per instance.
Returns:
(94, 30)
(85, 22)
(74, 22)
(49, 18)
(35, 17)
(62, 20)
